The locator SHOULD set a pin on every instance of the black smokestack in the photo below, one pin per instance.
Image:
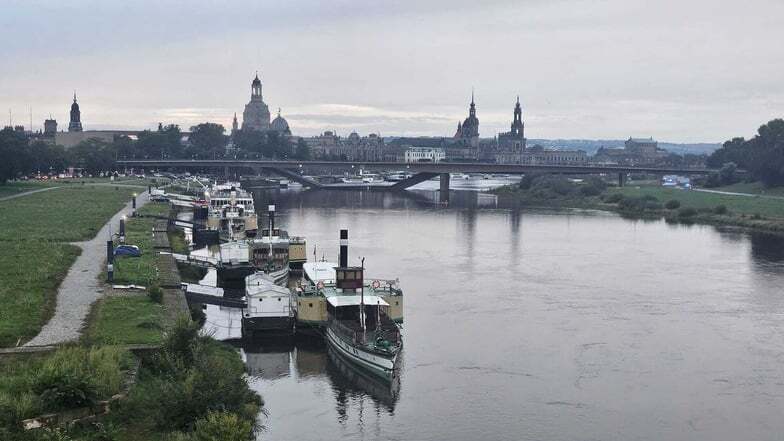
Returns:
(343, 248)
(271, 211)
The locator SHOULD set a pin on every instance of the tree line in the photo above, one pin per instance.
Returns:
(761, 156)
(21, 157)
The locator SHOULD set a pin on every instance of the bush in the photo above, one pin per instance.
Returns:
(155, 293)
(64, 390)
(75, 377)
(191, 377)
(593, 186)
(645, 203)
(222, 426)
(613, 198)
(672, 204)
(687, 212)
(720, 209)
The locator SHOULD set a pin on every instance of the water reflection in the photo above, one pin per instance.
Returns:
(309, 359)
(767, 248)
(540, 324)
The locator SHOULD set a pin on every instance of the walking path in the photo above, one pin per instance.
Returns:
(81, 286)
(19, 195)
(732, 193)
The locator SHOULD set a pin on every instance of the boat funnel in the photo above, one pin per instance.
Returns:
(271, 212)
(343, 248)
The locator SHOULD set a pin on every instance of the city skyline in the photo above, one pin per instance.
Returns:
(617, 70)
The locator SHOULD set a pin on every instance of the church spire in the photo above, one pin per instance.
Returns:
(74, 96)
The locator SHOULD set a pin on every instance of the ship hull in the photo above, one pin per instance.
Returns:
(380, 366)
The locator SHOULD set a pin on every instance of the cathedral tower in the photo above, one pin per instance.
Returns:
(76, 117)
(256, 115)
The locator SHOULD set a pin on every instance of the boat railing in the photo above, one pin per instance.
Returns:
(390, 335)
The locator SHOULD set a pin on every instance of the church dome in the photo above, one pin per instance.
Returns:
(279, 124)
(256, 81)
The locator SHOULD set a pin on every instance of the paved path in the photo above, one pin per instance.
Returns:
(81, 286)
(19, 195)
(732, 193)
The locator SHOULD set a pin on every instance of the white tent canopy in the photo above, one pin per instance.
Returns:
(338, 301)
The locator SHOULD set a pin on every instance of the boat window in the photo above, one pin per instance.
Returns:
(310, 305)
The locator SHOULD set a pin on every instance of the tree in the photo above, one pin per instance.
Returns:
(762, 156)
(767, 158)
(166, 142)
(207, 141)
(302, 151)
(93, 155)
(13, 154)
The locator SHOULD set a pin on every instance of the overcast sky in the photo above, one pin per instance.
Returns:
(682, 71)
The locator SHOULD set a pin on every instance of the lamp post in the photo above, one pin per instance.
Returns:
(133, 205)
(122, 229)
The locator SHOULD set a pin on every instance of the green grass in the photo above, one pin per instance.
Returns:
(34, 255)
(742, 205)
(65, 214)
(29, 276)
(126, 320)
(138, 231)
(752, 188)
(27, 381)
(13, 188)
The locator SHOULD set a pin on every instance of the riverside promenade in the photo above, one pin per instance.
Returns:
(82, 286)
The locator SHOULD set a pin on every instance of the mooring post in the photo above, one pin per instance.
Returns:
(443, 194)
(122, 229)
(621, 179)
(109, 261)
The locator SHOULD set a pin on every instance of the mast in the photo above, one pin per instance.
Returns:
(362, 300)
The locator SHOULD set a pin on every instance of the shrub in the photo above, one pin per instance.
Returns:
(192, 376)
(720, 209)
(74, 376)
(687, 212)
(222, 426)
(155, 293)
(593, 186)
(63, 389)
(672, 204)
(613, 198)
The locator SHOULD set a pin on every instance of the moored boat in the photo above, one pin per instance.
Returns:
(358, 326)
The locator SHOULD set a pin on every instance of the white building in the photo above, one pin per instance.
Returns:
(424, 154)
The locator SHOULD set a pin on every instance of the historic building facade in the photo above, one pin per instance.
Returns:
(515, 138)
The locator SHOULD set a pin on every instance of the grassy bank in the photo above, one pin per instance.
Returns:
(131, 319)
(138, 231)
(651, 201)
(35, 257)
(192, 389)
(71, 377)
(739, 205)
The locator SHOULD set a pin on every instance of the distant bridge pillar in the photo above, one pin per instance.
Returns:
(621, 179)
(443, 194)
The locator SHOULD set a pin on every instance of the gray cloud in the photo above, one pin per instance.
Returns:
(682, 71)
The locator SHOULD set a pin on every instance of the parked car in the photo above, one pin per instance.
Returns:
(127, 251)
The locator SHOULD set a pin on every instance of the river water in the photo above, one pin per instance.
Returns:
(541, 325)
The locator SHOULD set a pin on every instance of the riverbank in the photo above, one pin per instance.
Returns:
(36, 233)
(757, 212)
(179, 385)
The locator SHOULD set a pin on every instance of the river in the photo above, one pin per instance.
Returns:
(541, 325)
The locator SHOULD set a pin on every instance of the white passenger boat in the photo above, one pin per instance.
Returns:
(270, 310)
(231, 211)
